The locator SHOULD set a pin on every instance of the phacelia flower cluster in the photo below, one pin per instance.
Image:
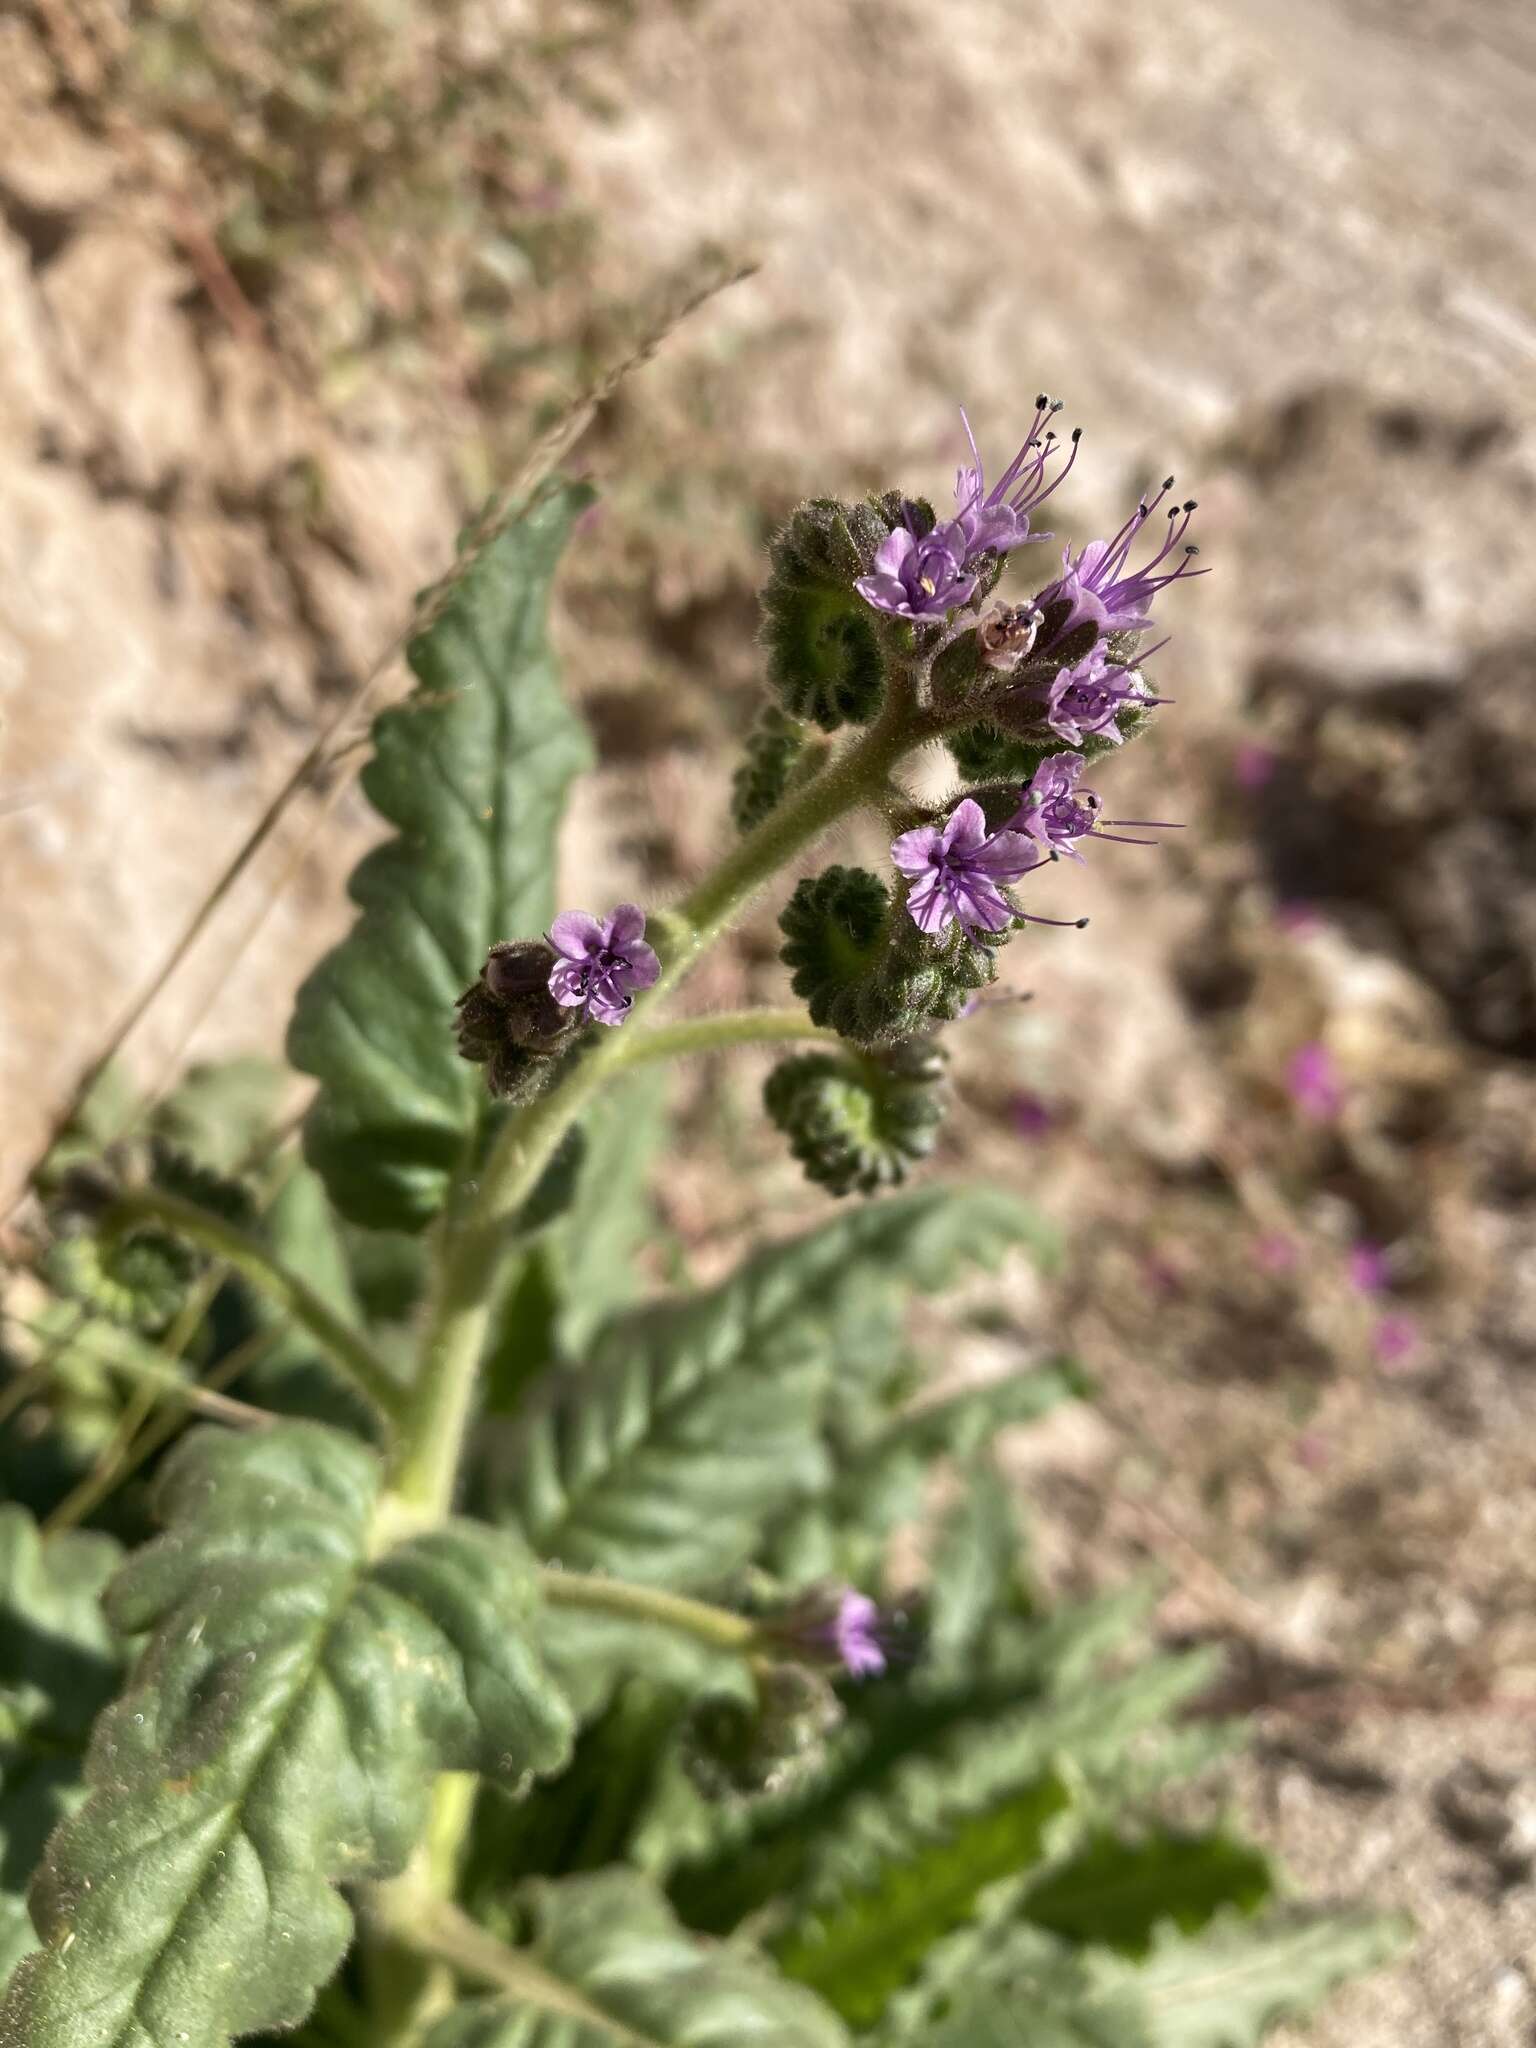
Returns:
(1065, 667)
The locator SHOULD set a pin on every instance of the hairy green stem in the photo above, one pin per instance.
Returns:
(717, 1626)
(475, 1234)
(250, 1258)
(438, 1930)
(121, 1351)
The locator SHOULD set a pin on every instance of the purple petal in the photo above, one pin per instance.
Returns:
(576, 934)
(978, 905)
(568, 983)
(892, 553)
(886, 594)
(643, 968)
(606, 1009)
(966, 830)
(913, 852)
(626, 925)
(928, 905)
(1005, 856)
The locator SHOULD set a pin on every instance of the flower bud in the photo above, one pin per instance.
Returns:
(774, 748)
(824, 660)
(509, 1023)
(735, 1746)
(865, 970)
(859, 1123)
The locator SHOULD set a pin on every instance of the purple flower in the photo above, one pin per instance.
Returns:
(1098, 587)
(999, 518)
(1394, 1340)
(1055, 813)
(601, 965)
(855, 1631)
(919, 576)
(1368, 1271)
(1052, 811)
(1313, 1081)
(955, 871)
(1085, 701)
(1253, 765)
(1029, 1114)
(924, 575)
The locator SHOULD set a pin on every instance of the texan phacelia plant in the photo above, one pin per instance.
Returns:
(420, 1627)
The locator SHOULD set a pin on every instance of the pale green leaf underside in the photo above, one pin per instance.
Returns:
(58, 1667)
(472, 768)
(279, 1734)
(697, 1419)
(632, 1978)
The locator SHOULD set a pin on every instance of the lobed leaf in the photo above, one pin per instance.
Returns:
(697, 1419)
(1117, 1893)
(59, 1664)
(1225, 1987)
(618, 1972)
(472, 769)
(278, 1735)
(865, 1945)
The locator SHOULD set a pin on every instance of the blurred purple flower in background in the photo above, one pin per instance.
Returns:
(1368, 1271)
(1394, 1340)
(1313, 1081)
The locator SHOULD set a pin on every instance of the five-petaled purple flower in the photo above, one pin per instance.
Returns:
(601, 965)
(1097, 586)
(955, 870)
(855, 1632)
(1055, 813)
(1085, 701)
(920, 575)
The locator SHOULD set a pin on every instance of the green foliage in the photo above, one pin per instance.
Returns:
(582, 1266)
(1226, 1986)
(59, 1666)
(1117, 1892)
(824, 661)
(857, 1125)
(472, 769)
(774, 750)
(278, 1735)
(612, 1969)
(862, 1947)
(697, 1419)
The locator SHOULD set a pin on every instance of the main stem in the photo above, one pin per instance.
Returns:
(475, 1232)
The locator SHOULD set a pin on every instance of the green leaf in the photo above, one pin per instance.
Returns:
(697, 1419)
(860, 1949)
(1224, 1988)
(998, 1986)
(976, 1568)
(473, 769)
(220, 1110)
(278, 1735)
(931, 1755)
(1116, 1893)
(59, 1666)
(582, 1267)
(612, 1969)
(293, 1378)
(965, 1422)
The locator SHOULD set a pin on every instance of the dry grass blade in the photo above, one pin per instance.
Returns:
(673, 306)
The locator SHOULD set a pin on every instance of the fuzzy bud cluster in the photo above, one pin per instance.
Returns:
(509, 1022)
(859, 1123)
